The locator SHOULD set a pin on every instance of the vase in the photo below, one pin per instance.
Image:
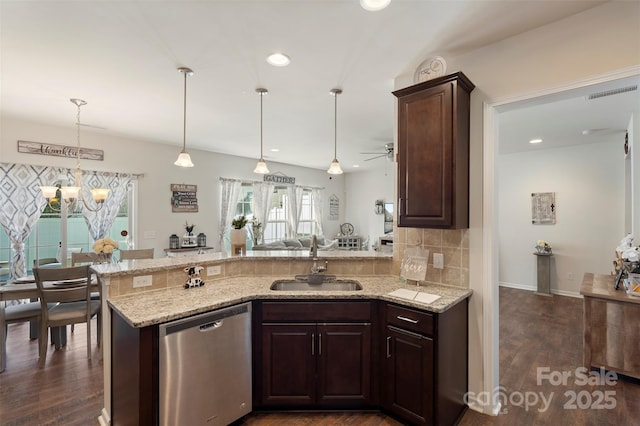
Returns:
(238, 236)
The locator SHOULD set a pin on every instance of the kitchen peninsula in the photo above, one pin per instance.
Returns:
(133, 313)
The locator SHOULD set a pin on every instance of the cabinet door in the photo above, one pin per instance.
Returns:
(288, 364)
(433, 153)
(344, 364)
(408, 375)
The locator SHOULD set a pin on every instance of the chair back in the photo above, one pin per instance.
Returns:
(136, 254)
(63, 284)
(45, 261)
(81, 258)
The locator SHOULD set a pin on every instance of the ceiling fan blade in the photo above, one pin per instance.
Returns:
(92, 126)
(377, 156)
(373, 153)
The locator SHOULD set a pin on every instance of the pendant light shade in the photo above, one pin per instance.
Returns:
(334, 168)
(184, 159)
(261, 167)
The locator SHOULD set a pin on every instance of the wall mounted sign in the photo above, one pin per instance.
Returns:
(414, 264)
(184, 198)
(543, 208)
(279, 179)
(334, 207)
(60, 150)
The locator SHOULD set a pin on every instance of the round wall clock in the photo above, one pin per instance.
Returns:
(346, 229)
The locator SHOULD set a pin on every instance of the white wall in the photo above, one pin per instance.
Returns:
(156, 162)
(362, 189)
(588, 181)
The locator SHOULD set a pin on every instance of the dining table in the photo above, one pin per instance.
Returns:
(26, 288)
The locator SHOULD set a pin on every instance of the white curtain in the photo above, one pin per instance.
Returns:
(99, 222)
(230, 193)
(316, 197)
(21, 204)
(295, 206)
(262, 195)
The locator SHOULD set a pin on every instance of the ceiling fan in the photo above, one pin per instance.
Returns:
(388, 147)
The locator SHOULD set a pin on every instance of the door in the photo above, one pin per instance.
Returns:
(408, 375)
(344, 364)
(288, 364)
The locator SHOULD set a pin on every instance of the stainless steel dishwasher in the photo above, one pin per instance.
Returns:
(205, 368)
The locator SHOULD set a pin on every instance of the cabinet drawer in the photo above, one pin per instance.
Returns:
(316, 311)
(410, 319)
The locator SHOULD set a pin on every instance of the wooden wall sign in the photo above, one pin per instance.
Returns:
(279, 179)
(60, 150)
(184, 198)
(334, 207)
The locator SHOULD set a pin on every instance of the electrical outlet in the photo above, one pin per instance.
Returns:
(142, 281)
(438, 260)
(213, 270)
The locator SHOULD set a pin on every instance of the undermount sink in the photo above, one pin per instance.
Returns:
(329, 285)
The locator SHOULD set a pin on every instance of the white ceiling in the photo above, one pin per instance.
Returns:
(121, 57)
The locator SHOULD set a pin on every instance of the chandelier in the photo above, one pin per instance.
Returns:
(72, 195)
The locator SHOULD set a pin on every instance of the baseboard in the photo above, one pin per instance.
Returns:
(532, 288)
(481, 407)
(104, 418)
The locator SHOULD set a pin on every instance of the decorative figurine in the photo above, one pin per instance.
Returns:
(194, 279)
(188, 239)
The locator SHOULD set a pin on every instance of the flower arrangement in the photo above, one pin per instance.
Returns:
(105, 246)
(543, 247)
(256, 230)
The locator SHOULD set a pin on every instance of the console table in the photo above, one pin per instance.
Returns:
(611, 318)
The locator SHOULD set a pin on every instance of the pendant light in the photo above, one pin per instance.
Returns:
(261, 167)
(335, 169)
(73, 194)
(184, 159)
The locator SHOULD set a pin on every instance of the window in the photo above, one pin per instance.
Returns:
(47, 235)
(277, 226)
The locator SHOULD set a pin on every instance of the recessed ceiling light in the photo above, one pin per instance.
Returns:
(274, 150)
(278, 59)
(356, 165)
(374, 5)
(535, 141)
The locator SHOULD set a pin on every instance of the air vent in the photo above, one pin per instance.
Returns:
(612, 92)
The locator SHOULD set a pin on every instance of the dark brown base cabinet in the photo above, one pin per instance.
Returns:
(424, 364)
(307, 364)
(322, 354)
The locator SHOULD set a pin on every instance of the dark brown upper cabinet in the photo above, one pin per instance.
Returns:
(433, 153)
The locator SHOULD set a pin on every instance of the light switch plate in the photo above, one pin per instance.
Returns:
(142, 281)
(438, 260)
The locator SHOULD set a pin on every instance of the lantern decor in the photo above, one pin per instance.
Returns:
(202, 240)
(174, 241)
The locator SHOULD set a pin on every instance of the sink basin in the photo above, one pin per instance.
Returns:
(333, 285)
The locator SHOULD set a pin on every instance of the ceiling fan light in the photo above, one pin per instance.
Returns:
(334, 168)
(184, 160)
(261, 167)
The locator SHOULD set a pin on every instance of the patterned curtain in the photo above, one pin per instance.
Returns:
(262, 194)
(316, 197)
(99, 222)
(21, 204)
(230, 192)
(295, 206)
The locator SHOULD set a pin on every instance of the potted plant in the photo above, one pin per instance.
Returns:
(239, 233)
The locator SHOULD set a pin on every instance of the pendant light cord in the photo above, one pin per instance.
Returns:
(184, 121)
(335, 126)
(261, 96)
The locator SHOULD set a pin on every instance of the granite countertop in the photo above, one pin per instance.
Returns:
(158, 306)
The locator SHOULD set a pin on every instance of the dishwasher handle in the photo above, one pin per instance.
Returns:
(211, 326)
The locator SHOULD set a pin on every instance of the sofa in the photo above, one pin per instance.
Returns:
(302, 243)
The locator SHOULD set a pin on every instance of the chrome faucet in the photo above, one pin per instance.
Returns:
(313, 253)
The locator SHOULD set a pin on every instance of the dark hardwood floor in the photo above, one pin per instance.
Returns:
(535, 332)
